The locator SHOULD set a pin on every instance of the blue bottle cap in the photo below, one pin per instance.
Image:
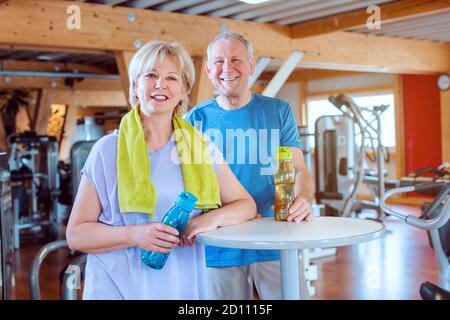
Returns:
(186, 201)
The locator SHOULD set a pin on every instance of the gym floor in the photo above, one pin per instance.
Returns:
(389, 268)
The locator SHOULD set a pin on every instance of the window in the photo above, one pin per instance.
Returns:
(320, 107)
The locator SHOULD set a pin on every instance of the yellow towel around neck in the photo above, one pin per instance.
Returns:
(136, 191)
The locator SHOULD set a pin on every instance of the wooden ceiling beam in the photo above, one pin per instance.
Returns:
(58, 83)
(301, 74)
(43, 23)
(18, 65)
(350, 51)
(123, 60)
(52, 49)
(90, 98)
(389, 12)
(34, 23)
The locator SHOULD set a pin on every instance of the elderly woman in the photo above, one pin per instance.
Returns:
(133, 176)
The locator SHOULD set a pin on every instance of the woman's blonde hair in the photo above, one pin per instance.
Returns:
(151, 54)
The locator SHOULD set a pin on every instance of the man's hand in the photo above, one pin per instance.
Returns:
(300, 210)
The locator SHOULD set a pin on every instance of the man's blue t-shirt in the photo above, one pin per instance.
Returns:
(248, 138)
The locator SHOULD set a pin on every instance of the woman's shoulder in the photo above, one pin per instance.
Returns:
(106, 144)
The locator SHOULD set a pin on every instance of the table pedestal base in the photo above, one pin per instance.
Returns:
(292, 278)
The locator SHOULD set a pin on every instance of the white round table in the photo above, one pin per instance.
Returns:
(289, 237)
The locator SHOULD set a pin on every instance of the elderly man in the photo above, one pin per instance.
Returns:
(248, 128)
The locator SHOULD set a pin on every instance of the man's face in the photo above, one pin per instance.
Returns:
(229, 68)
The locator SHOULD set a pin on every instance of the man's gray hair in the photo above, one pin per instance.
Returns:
(227, 35)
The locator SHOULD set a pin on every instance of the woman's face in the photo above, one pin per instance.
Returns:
(160, 89)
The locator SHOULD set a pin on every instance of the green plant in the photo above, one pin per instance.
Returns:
(10, 104)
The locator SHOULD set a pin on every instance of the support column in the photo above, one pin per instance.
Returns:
(123, 59)
(203, 89)
(261, 65)
(445, 125)
(283, 74)
(43, 112)
(399, 127)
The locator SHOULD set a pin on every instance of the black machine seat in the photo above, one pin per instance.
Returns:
(429, 291)
(426, 175)
(22, 174)
(30, 138)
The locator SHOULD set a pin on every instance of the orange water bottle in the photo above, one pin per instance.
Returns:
(284, 183)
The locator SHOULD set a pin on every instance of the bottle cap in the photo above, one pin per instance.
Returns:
(186, 201)
(284, 153)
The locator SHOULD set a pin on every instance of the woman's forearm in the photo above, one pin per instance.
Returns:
(95, 237)
(234, 212)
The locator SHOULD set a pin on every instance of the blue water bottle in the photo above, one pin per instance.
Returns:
(176, 217)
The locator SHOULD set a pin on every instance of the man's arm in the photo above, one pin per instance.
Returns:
(304, 184)
(304, 189)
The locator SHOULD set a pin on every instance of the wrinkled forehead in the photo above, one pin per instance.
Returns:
(228, 47)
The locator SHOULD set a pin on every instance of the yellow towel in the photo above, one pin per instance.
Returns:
(199, 176)
(136, 191)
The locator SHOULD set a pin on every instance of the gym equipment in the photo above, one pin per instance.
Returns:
(33, 277)
(70, 276)
(87, 129)
(304, 138)
(427, 175)
(340, 166)
(70, 172)
(35, 184)
(335, 162)
(435, 219)
(78, 156)
(7, 279)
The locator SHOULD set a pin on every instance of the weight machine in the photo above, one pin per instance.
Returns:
(340, 164)
(7, 278)
(435, 220)
(35, 184)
